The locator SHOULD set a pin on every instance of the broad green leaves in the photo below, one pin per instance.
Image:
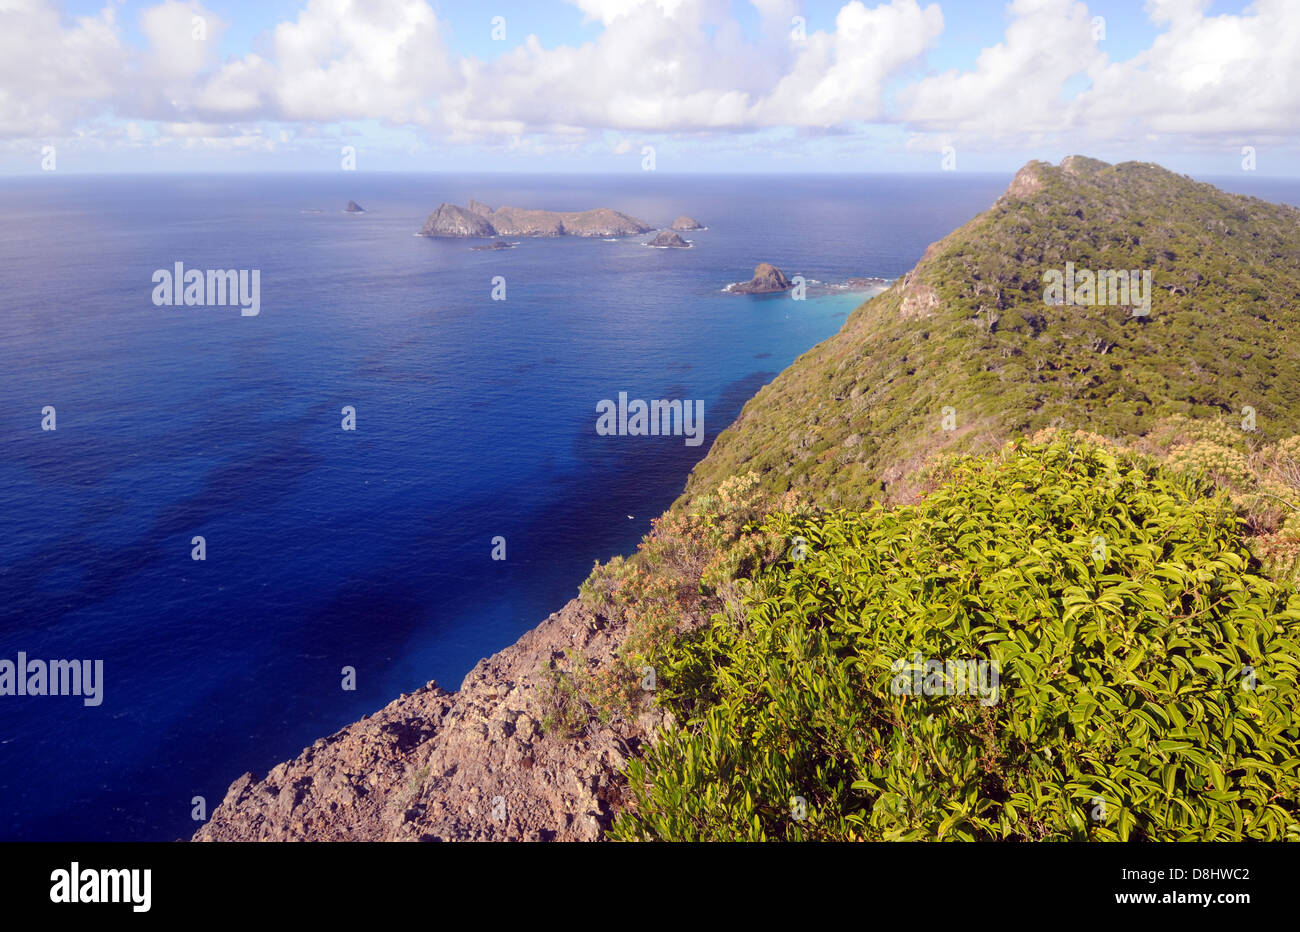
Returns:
(1151, 694)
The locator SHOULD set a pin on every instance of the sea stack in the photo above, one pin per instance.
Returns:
(768, 279)
(354, 208)
(668, 239)
(685, 224)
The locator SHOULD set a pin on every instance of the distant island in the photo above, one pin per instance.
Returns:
(667, 239)
(478, 219)
(685, 224)
(768, 279)
(494, 245)
(354, 208)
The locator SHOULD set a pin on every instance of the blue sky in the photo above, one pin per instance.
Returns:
(597, 85)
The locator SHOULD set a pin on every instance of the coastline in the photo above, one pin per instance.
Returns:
(434, 764)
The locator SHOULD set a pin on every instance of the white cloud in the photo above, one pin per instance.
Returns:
(1220, 76)
(340, 59)
(183, 38)
(682, 67)
(657, 67)
(1016, 87)
(55, 73)
(1204, 79)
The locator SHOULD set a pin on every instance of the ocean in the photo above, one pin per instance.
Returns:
(370, 549)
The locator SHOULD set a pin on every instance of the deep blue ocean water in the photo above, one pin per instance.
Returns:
(370, 549)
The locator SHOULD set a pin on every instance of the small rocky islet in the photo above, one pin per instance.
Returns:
(768, 279)
(667, 239)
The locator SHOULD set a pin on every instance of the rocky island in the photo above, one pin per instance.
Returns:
(685, 224)
(768, 279)
(354, 208)
(478, 219)
(669, 240)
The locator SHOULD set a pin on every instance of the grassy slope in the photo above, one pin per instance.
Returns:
(968, 327)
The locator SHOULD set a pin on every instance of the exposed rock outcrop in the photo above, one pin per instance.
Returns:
(478, 219)
(354, 208)
(431, 765)
(450, 220)
(668, 239)
(685, 224)
(768, 279)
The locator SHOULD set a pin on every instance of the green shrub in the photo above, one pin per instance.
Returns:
(1147, 674)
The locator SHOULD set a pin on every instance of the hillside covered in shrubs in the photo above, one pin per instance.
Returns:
(968, 332)
(1138, 674)
(1098, 502)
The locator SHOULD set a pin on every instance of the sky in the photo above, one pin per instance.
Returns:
(1205, 87)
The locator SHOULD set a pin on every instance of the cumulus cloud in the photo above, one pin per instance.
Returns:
(655, 67)
(55, 73)
(1015, 88)
(1203, 78)
(340, 59)
(664, 66)
(183, 38)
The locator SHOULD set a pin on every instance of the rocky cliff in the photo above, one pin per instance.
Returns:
(487, 762)
(450, 220)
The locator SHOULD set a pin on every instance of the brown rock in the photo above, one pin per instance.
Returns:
(669, 239)
(431, 765)
(767, 279)
(450, 220)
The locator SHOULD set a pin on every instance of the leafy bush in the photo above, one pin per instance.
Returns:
(1147, 673)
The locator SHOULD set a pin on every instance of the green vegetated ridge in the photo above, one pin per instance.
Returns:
(1104, 528)
(968, 328)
